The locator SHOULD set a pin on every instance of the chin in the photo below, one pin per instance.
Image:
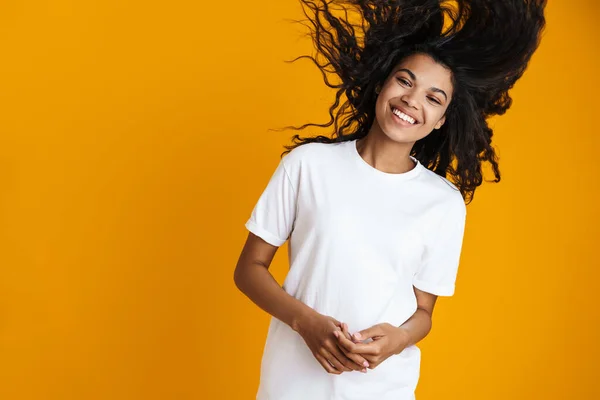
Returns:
(400, 135)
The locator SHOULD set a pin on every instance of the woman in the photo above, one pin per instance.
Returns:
(375, 214)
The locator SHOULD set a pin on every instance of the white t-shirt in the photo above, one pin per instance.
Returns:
(360, 238)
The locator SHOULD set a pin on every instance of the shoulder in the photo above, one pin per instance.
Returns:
(309, 153)
(445, 193)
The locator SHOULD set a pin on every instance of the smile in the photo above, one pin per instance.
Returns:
(404, 117)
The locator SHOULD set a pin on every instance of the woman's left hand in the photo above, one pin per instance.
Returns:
(388, 340)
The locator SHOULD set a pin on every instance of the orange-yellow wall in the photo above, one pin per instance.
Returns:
(134, 143)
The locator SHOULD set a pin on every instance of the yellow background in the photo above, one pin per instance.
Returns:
(134, 142)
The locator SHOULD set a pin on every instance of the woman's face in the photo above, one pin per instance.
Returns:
(414, 98)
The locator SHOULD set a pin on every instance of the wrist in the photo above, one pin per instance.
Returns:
(300, 319)
(403, 339)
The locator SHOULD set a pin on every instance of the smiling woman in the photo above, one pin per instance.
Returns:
(415, 96)
(459, 58)
(374, 221)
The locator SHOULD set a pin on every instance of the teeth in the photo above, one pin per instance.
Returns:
(403, 116)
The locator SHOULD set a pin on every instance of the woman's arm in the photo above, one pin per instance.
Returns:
(418, 326)
(387, 339)
(253, 278)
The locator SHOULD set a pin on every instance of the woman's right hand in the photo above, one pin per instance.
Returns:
(317, 330)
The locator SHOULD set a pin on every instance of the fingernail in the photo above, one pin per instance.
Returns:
(336, 333)
(364, 370)
(366, 364)
(357, 335)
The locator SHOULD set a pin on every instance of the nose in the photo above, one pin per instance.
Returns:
(409, 100)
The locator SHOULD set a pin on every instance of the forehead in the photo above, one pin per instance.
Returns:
(427, 71)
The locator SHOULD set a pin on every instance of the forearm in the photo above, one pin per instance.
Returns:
(256, 282)
(416, 327)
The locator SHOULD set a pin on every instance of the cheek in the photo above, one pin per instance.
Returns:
(380, 107)
(435, 116)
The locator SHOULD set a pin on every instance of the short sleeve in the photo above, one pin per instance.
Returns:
(439, 267)
(273, 216)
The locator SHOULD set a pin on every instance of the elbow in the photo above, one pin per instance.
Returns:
(240, 276)
(237, 277)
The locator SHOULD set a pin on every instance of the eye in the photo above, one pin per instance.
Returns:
(404, 81)
(436, 101)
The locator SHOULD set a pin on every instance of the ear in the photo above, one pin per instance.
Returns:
(440, 123)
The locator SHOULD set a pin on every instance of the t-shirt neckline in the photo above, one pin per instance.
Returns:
(386, 175)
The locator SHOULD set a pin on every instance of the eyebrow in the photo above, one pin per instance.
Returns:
(414, 78)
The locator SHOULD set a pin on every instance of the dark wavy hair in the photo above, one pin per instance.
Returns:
(486, 44)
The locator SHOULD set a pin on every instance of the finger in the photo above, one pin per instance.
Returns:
(333, 360)
(369, 333)
(356, 358)
(344, 342)
(374, 365)
(358, 348)
(343, 332)
(346, 331)
(349, 335)
(345, 361)
(325, 364)
(372, 360)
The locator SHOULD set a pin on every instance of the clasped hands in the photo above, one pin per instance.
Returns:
(339, 351)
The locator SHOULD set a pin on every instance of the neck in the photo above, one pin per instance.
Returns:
(384, 154)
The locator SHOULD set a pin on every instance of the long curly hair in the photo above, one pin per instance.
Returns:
(486, 44)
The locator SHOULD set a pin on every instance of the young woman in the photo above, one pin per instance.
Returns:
(375, 215)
